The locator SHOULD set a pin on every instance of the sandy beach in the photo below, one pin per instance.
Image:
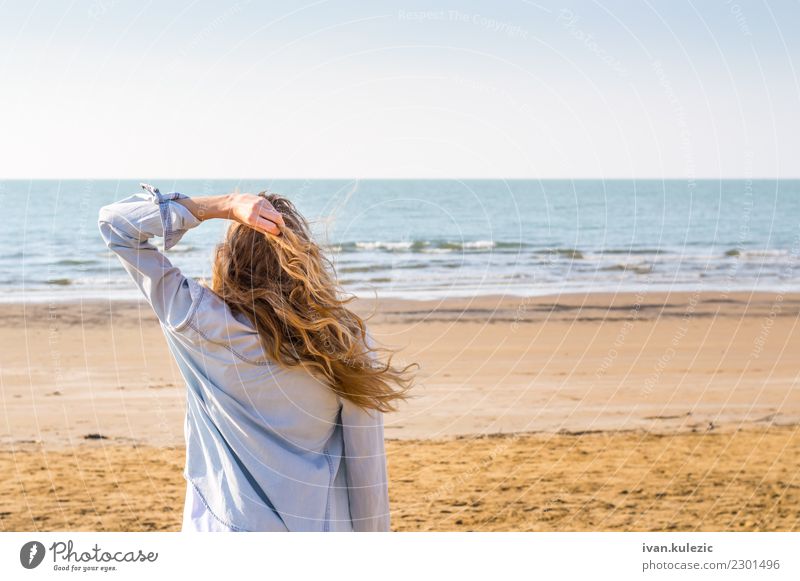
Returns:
(657, 411)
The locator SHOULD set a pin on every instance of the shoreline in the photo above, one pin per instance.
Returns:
(587, 299)
(65, 297)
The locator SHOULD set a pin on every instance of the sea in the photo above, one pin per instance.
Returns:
(431, 239)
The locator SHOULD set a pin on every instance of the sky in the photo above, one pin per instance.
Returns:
(424, 89)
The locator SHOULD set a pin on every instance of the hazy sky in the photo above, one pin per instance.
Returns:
(118, 88)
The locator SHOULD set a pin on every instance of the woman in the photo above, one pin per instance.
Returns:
(285, 398)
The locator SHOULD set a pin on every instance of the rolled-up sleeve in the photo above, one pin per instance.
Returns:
(127, 227)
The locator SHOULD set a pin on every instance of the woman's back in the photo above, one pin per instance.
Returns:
(269, 447)
(274, 432)
(297, 406)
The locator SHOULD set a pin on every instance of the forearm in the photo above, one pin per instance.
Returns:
(248, 209)
(208, 207)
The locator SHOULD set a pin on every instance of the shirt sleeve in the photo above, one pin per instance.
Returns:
(365, 466)
(127, 227)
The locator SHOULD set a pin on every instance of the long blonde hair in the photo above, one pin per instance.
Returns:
(287, 288)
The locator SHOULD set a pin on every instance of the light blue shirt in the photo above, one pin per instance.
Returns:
(268, 448)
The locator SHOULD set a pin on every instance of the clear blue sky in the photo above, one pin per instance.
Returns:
(118, 88)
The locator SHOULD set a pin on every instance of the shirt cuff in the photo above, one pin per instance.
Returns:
(176, 220)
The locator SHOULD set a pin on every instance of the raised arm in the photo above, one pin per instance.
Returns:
(128, 225)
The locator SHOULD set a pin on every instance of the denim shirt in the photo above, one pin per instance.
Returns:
(268, 448)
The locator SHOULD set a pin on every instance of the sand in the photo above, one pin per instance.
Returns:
(744, 480)
(579, 412)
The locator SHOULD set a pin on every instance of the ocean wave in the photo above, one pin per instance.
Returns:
(75, 262)
(635, 268)
(358, 269)
(382, 266)
(427, 246)
(634, 251)
(439, 246)
(563, 252)
(768, 253)
(59, 281)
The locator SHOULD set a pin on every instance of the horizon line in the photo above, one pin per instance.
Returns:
(351, 179)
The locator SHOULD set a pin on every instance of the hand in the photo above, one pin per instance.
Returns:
(248, 209)
(255, 212)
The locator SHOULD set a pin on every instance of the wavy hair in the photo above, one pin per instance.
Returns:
(287, 288)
